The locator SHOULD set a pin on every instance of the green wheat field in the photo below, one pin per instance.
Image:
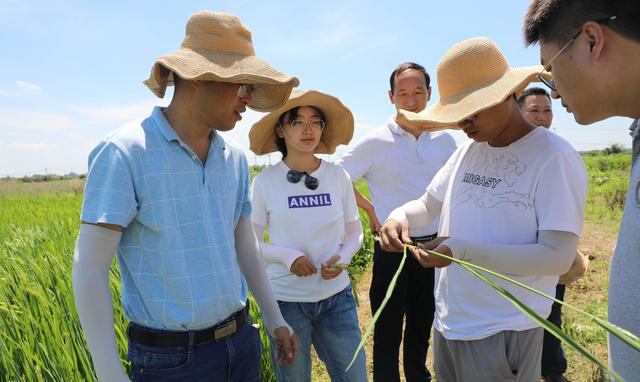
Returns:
(40, 336)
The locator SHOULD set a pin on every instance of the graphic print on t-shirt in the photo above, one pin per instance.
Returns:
(308, 201)
(485, 185)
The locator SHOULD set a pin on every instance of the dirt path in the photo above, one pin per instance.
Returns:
(364, 314)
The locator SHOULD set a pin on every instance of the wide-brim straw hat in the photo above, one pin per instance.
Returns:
(217, 47)
(472, 76)
(338, 128)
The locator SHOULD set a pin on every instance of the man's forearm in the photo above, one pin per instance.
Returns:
(252, 267)
(93, 255)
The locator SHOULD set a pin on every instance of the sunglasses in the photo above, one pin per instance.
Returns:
(310, 182)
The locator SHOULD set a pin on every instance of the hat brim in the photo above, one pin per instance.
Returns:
(338, 129)
(447, 113)
(271, 87)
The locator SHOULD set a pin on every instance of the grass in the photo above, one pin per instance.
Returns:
(40, 337)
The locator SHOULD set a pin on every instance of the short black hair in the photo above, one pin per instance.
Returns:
(532, 91)
(406, 66)
(289, 116)
(558, 20)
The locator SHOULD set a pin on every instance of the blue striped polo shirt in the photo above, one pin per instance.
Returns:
(177, 253)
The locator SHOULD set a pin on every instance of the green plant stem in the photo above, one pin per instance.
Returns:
(387, 296)
(548, 326)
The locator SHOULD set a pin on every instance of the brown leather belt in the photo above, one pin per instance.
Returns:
(226, 328)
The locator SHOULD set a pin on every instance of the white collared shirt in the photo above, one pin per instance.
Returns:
(397, 167)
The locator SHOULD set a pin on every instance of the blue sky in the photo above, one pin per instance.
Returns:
(72, 70)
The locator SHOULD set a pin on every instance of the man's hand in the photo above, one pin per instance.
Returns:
(302, 266)
(327, 271)
(286, 346)
(394, 235)
(431, 261)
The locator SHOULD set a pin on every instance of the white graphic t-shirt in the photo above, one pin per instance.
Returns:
(311, 221)
(503, 195)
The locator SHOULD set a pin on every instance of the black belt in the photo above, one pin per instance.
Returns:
(226, 328)
(423, 239)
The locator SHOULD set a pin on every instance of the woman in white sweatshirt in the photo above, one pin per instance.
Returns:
(308, 208)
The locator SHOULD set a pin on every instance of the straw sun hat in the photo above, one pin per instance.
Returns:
(472, 76)
(217, 47)
(338, 129)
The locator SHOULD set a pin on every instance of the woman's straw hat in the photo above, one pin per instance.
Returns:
(472, 76)
(217, 47)
(338, 129)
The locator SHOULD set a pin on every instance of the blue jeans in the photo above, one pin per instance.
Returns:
(331, 325)
(236, 358)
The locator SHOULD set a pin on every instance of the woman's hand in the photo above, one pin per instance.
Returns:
(302, 266)
(327, 271)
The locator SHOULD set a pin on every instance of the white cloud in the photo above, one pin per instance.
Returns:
(28, 87)
(21, 89)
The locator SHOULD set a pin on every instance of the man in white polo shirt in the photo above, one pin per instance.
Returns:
(397, 164)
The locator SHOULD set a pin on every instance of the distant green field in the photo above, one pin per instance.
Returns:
(608, 183)
(40, 337)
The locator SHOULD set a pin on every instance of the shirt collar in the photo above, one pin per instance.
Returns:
(394, 127)
(163, 125)
(170, 135)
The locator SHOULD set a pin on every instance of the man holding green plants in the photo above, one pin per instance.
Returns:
(510, 200)
(171, 196)
(592, 48)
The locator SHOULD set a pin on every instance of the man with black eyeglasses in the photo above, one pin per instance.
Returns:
(592, 49)
(397, 164)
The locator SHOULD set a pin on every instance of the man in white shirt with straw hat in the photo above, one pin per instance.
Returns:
(171, 197)
(592, 48)
(511, 200)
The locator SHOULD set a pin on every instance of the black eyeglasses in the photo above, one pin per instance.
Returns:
(552, 83)
(310, 182)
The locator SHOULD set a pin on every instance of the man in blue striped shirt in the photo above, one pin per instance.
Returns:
(171, 197)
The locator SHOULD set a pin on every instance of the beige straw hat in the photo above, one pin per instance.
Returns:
(472, 76)
(217, 47)
(338, 129)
